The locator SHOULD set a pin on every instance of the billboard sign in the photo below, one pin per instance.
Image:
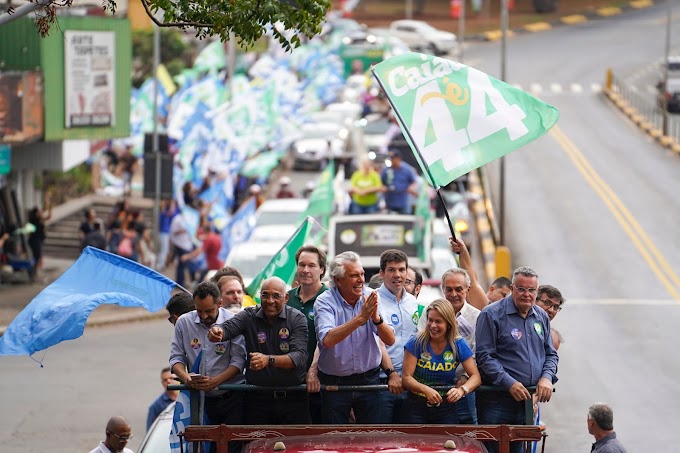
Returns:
(89, 58)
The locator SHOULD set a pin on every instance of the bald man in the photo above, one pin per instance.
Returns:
(118, 433)
(276, 343)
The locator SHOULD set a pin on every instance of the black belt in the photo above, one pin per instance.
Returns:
(352, 377)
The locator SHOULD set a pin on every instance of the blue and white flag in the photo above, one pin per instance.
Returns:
(181, 418)
(60, 311)
(239, 228)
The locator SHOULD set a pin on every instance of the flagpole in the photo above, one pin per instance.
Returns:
(436, 186)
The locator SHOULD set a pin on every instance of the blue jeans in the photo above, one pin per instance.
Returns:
(500, 408)
(416, 411)
(337, 405)
(355, 208)
(391, 407)
(466, 409)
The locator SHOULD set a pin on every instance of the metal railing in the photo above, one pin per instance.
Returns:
(644, 104)
(195, 394)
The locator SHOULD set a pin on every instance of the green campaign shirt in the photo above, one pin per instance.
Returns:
(363, 181)
(307, 309)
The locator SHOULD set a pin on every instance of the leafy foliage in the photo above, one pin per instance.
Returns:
(175, 53)
(248, 20)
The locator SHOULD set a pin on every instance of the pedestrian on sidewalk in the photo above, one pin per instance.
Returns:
(38, 217)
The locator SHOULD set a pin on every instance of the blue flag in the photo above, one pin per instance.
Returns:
(239, 228)
(60, 311)
(181, 418)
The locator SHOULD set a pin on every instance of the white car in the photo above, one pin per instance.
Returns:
(317, 144)
(421, 36)
(250, 258)
(286, 211)
(272, 233)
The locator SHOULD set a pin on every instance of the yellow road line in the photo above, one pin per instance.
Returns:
(609, 11)
(650, 253)
(638, 4)
(538, 26)
(574, 19)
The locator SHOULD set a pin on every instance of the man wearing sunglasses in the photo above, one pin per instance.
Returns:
(514, 351)
(276, 343)
(550, 299)
(118, 434)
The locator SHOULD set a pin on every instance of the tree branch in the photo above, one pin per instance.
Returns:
(172, 24)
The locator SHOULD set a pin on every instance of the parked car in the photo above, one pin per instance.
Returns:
(421, 36)
(669, 93)
(317, 144)
(251, 257)
(272, 233)
(156, 438)
(373, 128)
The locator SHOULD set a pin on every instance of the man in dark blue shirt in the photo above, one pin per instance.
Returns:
(163, 401)
(399, 181)
(514, 351)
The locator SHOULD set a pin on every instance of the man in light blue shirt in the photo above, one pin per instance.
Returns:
(514, 351)
(401, 313)
(349, 326)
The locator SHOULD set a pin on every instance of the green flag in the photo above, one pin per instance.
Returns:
(261, 165)
(458, 117)
(282, 264)
(322, 197)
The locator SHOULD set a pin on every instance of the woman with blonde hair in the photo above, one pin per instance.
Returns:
(431, 357)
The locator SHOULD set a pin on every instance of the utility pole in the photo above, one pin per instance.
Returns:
(504, 32)
(155, 146)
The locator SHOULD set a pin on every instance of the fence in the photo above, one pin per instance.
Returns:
(645, 109)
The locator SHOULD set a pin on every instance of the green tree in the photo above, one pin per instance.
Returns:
(248, 20)
(175, 53)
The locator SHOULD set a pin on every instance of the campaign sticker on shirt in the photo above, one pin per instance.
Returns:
(311, 314)
(284, 333)
(262, 337)
(395, 319)
(284, 346)
(415, 318)
(538, 328)
(448, 356)
(220, 349)
(195, 344)
(426, 356)
(516, 334)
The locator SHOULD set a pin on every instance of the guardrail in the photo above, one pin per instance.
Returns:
(644, 109)
(195, 394)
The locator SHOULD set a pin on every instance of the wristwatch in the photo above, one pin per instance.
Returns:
(271, 360)
(389, 371)
(379, 322)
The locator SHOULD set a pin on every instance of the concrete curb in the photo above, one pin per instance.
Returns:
(486, 240)
(573, 19)
(641, 121)
(120, 318)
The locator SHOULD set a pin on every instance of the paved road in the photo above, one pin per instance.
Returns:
(593, 207)
(64, 406)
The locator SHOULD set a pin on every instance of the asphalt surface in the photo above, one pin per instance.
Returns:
(593, 207)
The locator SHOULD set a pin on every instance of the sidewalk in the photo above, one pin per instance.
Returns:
(14, 297)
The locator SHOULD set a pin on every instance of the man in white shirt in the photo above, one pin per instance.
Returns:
(401, 310)
(118, 433)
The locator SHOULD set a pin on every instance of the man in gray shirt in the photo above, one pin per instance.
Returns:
(212, 364)
(601, 426)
